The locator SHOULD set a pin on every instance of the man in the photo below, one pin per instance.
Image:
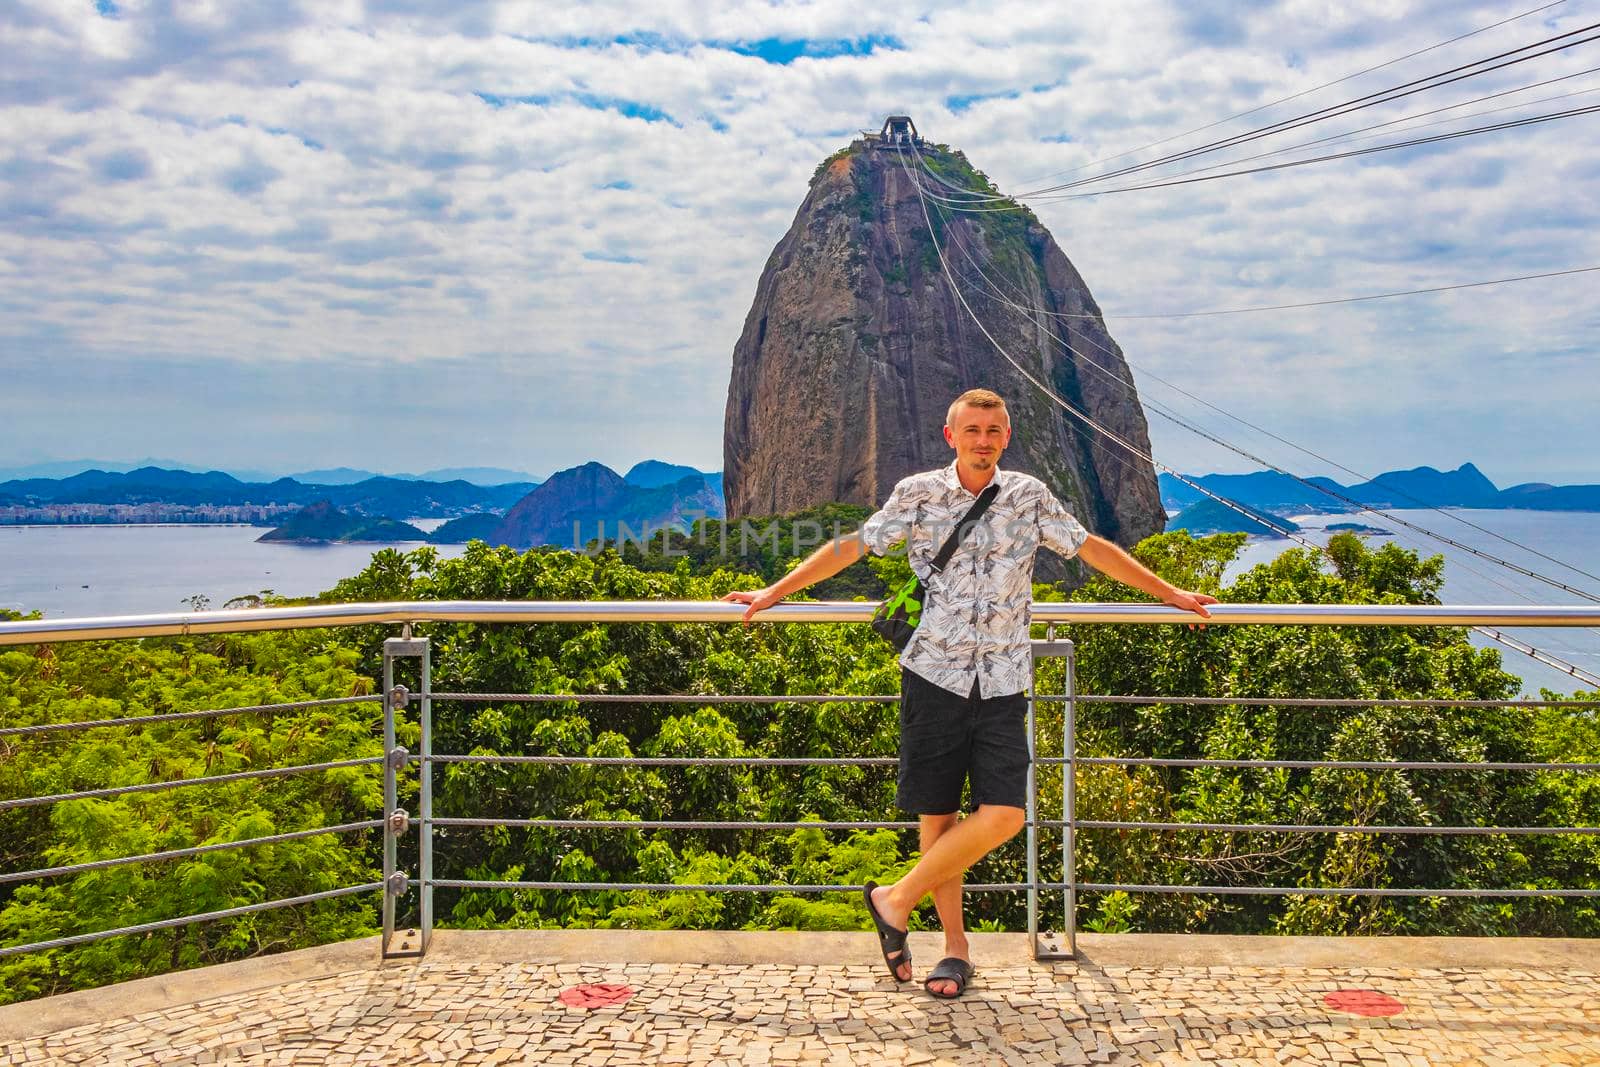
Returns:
(963, 709)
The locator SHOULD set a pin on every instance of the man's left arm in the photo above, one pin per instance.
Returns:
(1109, 559)
(1061, 531)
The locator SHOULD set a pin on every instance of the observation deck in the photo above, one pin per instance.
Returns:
(1046, 993)
(491, 997)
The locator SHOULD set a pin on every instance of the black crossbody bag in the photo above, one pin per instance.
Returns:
(898, 617)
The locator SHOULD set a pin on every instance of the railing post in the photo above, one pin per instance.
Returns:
(1069, 800)
(396, 822)
(390, 798)
(1033, 803)
(425, 802)
(1050, 647)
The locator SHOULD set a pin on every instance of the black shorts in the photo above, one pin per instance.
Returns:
(946, 739)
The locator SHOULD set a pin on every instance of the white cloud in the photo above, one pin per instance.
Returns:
(318, 197)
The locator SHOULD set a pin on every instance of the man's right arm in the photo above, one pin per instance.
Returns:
(825, 562)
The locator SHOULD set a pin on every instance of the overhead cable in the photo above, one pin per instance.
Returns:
(1384, 96)
(1360, 103)
(1303, 93)
(1354, 135)
(1357, 299)
(1180, 180)
(1321, 303)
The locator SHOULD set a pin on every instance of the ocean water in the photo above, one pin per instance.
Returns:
(68, 572)
(1572, 537)
(76, 571)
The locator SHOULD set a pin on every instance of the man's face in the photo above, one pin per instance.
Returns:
(978, 435)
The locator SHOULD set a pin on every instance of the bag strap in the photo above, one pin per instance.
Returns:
(968, 520)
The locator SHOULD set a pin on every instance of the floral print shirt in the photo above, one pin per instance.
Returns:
(975, 614)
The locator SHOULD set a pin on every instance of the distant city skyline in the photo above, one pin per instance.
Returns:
(276, 239)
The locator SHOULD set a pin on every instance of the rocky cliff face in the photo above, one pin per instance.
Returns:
(856, 345)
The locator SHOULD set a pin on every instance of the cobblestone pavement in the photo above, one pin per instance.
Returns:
(1065, 1013)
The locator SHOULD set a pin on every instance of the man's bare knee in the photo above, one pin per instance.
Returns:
(1007, 820)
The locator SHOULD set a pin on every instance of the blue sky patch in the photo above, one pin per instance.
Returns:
(620, 183)
(611, 257)
(106, 9)
(780, 51)
(633, 109)
(783, 51)
(958, 104)
(250, 177)
(279, 131)
(125, 165)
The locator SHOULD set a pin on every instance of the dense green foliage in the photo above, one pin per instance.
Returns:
(1262, 663)
(102, 680)
(570, 661)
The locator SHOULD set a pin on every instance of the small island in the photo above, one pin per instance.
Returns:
(480, 526)
(322, 523)
(1357, 528)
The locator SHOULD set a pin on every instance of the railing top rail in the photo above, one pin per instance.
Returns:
(37, 631)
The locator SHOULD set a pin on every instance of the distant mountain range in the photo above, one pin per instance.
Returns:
(569, 509)
(373, 497)
(184, 495)
(59, 469)
(528, 513)
(1419, 487)
(66, 468)
(484, 476)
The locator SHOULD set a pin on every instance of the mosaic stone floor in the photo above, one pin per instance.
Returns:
(497, 1012)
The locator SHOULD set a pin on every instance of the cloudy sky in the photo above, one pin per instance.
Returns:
(401, 235)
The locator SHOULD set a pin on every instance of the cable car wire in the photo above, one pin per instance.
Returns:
(1353, 135)
(1510, 124)
(1360, 103)
(1296, 96)
(1384, 96)
(1347, 299)
(1180, 180)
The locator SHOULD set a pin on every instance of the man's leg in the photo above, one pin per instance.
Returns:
(956, 849)
(935, 741)
(946, 900)
(999, 769)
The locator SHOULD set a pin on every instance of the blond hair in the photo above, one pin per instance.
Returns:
(978, 398)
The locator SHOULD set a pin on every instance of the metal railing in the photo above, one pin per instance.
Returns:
(397, 824)
(196, 850)
(179, 624)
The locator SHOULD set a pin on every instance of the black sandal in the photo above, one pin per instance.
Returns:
(950, 969)
(892, 940)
